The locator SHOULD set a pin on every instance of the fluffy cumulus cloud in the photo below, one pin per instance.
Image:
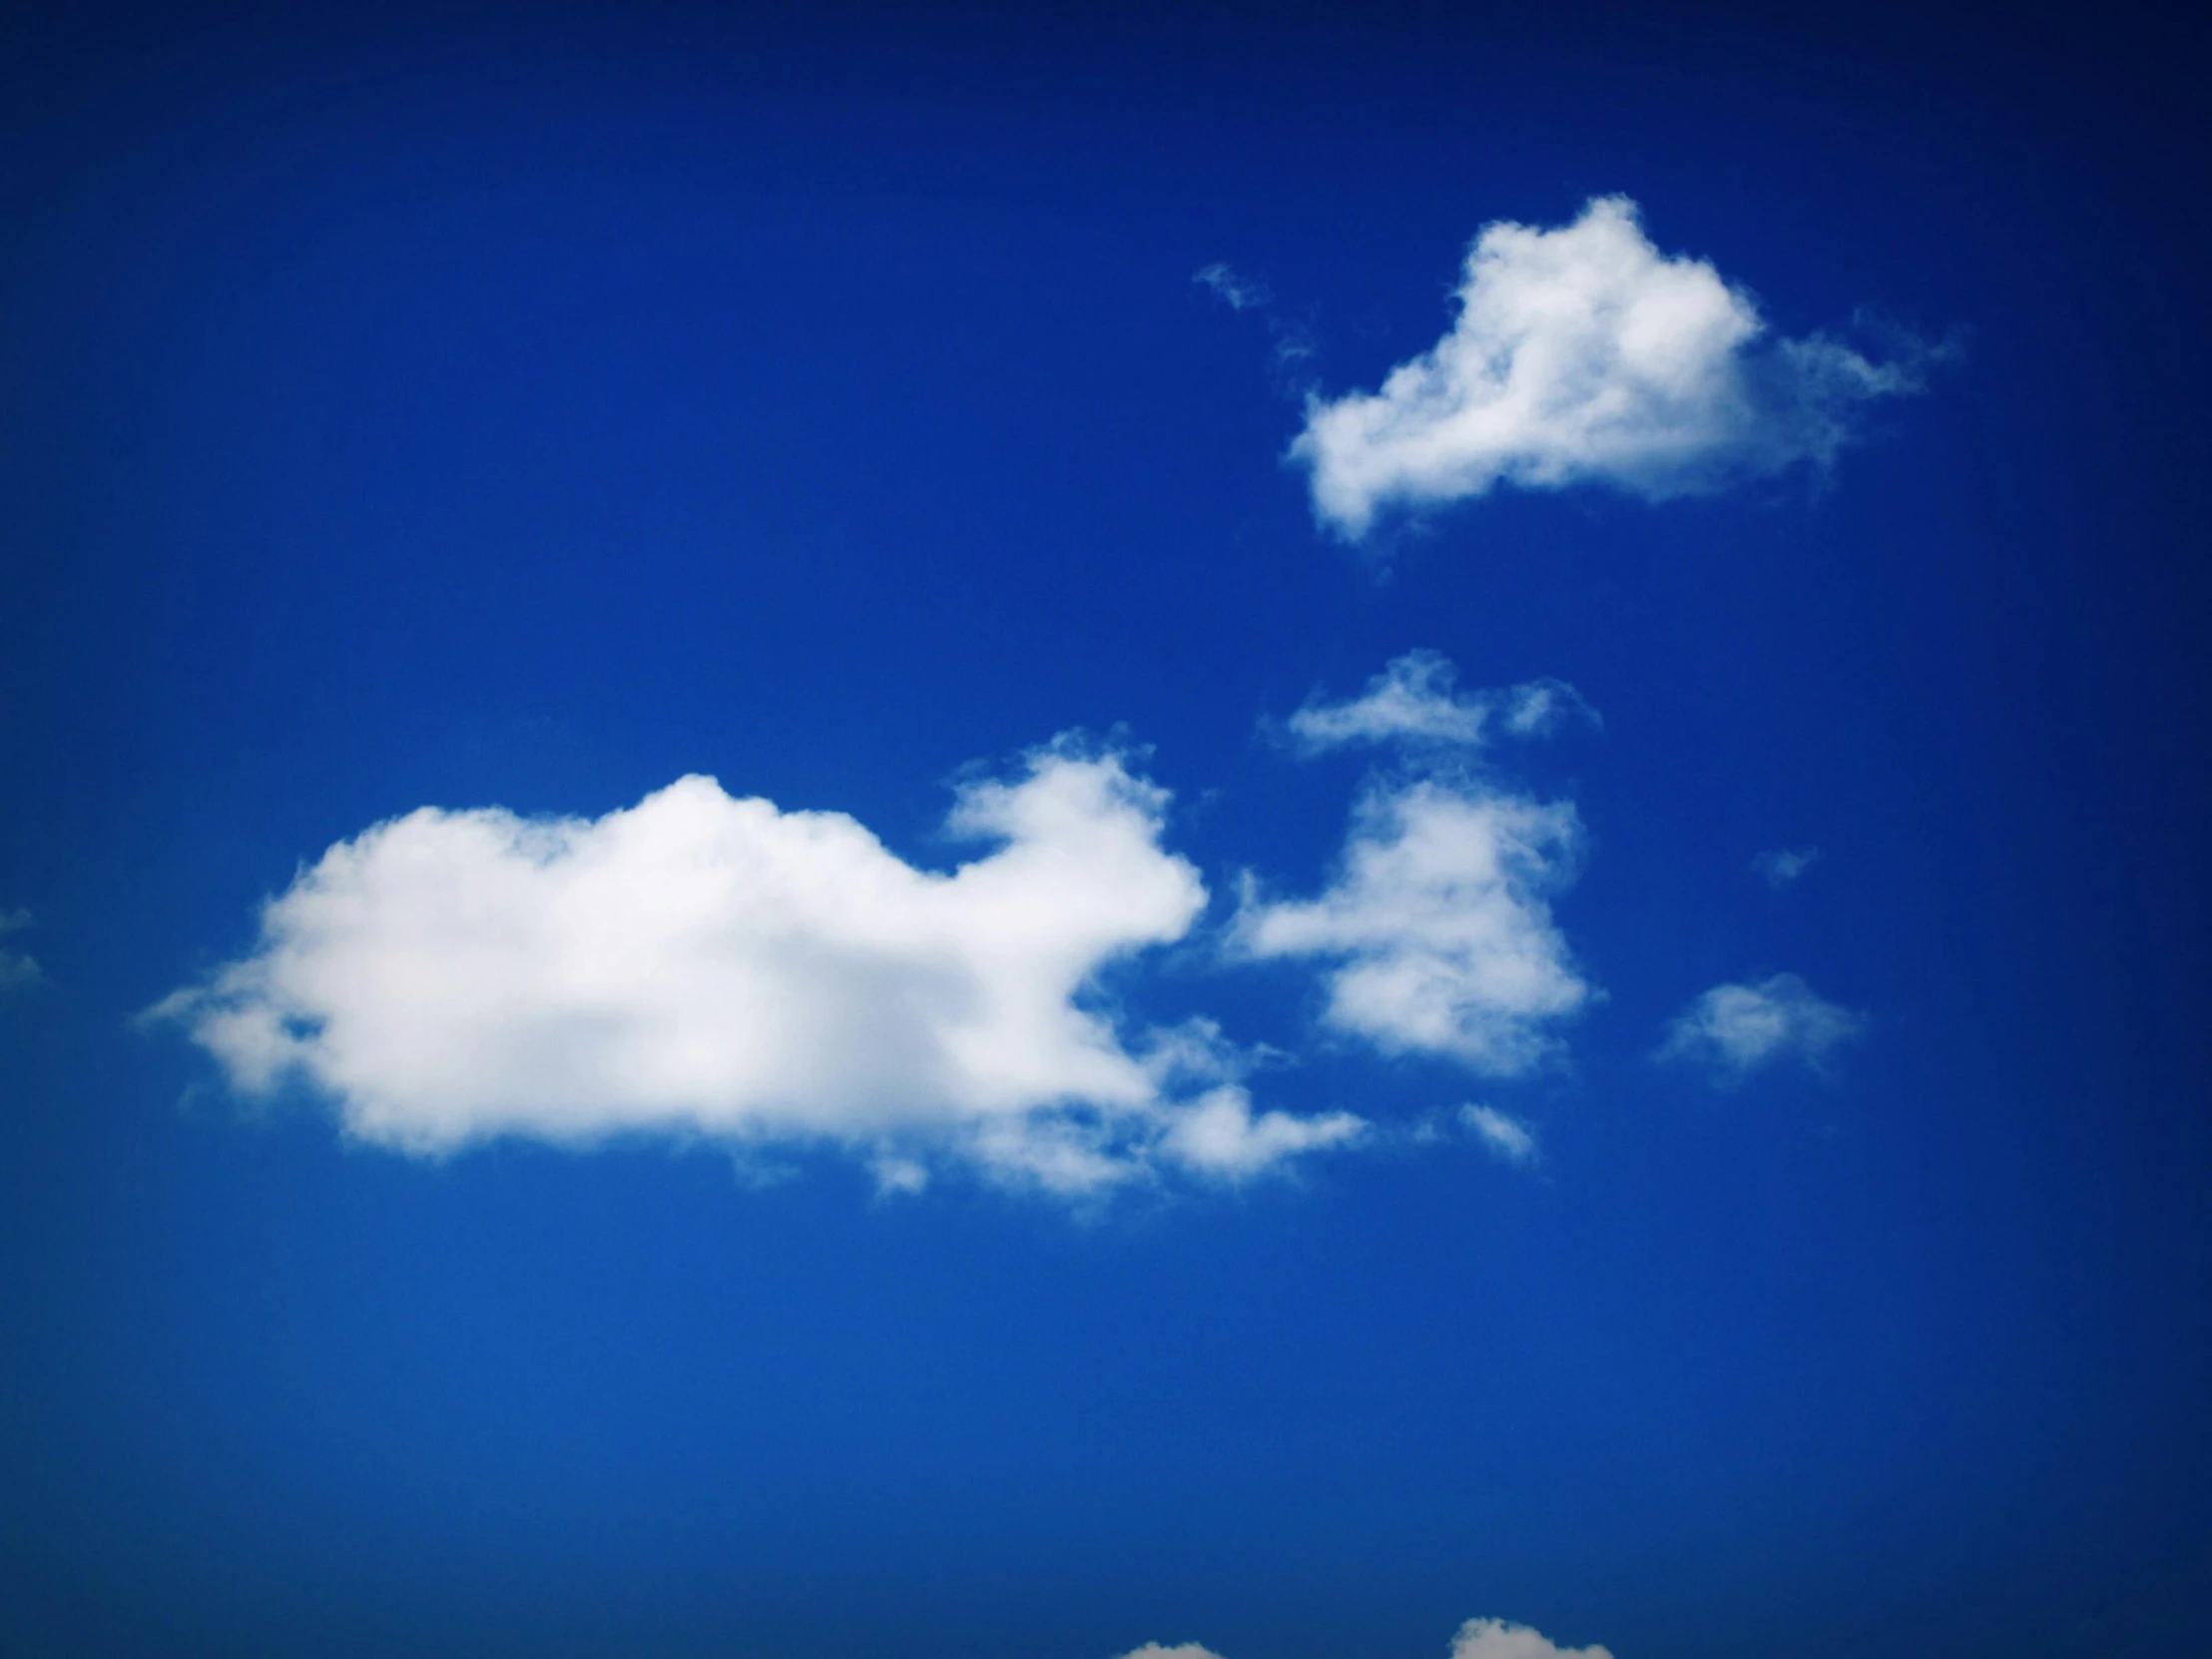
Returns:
(1478, 1639)
(703, 964)
(1584, 354)
(1734, 1030)
(17, 968)
(1437, 927)
(1415, 702)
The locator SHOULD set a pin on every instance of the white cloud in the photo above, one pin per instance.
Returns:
(1236, 293)
(1413, 697)
(1734, 1030)
(700, 964)
(1540, 706)
(1496, 1639)
(1413, 701)
(1584, 354)
(1219, 1134)
(17, 968)
(1508, 1138)
(1781, 866)
(1476, 1639)
(1438, 924)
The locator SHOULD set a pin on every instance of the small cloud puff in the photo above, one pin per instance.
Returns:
(1584, 354)
(699, 964)
(1504, 1136)
(1781, 866)
(1734, 1030)
(1413, 701)
(18, 969)
(1437, 924)
(1219, 1134)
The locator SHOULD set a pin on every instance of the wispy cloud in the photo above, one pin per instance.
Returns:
(1508, 1138)
(18, 969)
(1734, 1030)
(699, 964)
(1584, 354)
(1416, 701)
(1292, 337)
(1239, 294)
(1781, 866)
(1538, 708)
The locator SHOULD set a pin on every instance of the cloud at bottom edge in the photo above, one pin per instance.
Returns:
(1476, 1639)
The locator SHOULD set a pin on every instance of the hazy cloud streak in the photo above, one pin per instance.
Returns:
(1415, 702)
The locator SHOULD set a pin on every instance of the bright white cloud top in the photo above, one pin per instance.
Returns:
(701, 964)
(1438, 926)
(1584, 354)
(1476, 1639)
(1734, 1031)
(1414, 700)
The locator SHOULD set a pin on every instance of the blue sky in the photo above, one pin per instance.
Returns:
(999, 840)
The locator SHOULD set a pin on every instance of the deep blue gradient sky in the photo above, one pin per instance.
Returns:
(529, 410)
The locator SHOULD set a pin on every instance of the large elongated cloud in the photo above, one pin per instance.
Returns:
(704, 965)
(1584, 354)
